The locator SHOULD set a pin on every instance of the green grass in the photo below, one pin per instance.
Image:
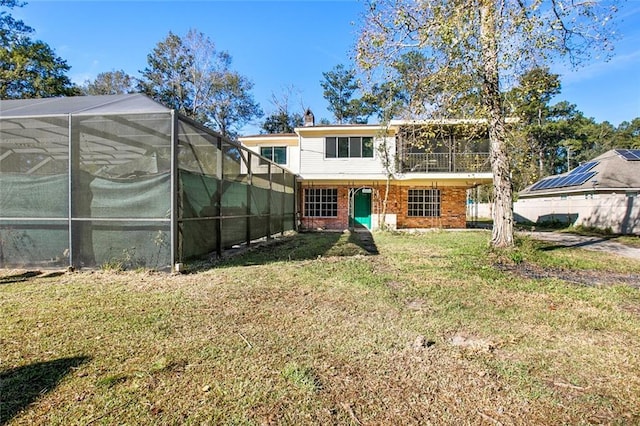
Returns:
(316, 330)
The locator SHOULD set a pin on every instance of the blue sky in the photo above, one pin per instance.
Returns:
(286, 44)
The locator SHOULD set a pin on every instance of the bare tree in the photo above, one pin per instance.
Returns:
(282, 119)
(190, 75)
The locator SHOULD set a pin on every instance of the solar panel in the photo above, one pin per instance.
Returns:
(547, 183)
(580, 178)
(561, 181)
(538, 185)
(584, 167)
(555, 182)
(571, 179)
(629, 154)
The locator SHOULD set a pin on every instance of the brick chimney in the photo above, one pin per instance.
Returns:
(309, 120)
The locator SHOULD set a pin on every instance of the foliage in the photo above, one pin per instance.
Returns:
(191, 76)
(628, 134)
(465, 50)
(166, 77)
(231, 104)
(11, 30)
(554, 138)
(282, 122)
(30, 69)
(340, 86)
(535, 139)
(110, 83)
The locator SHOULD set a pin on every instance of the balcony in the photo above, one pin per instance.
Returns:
(476, 162)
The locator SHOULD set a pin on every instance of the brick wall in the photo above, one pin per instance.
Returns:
(339, 222)
(453, 211)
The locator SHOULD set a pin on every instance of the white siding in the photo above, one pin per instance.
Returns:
(618, 211)
(313, 161)
(293, 156)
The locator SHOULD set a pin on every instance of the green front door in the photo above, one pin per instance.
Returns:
(362, 209)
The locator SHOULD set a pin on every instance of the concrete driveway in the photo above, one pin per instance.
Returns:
(588, 243)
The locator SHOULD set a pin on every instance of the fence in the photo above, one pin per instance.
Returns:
(445, 162)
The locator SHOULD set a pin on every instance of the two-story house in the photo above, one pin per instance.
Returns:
(409, 174)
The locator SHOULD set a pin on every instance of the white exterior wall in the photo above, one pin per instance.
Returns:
(293, 159)
(293, 156)
(315, 165)
(391, 221)
(617, 211)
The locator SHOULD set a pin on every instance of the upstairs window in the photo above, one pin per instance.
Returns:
(349, 147)
(277, 154)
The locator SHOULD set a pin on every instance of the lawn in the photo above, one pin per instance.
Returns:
(316, 329)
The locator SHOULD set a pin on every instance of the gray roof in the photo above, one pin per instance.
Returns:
(613, 173)
(104, 104)
(117, 131)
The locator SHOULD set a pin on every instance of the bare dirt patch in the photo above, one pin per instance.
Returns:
(582, 277)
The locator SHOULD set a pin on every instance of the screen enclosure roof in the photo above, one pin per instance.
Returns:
(77, 105)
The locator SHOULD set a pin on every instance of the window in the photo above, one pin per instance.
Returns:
(277, 154)
(321, 202)
(349, 147)
(424, 203)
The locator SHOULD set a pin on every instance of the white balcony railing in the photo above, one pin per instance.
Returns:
(444, 163)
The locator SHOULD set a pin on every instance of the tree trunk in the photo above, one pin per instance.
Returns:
(388, 166)
(540, 163)
(385, 201)
(502, 235)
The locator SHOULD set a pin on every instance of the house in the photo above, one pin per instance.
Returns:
(346, 174)
(601, 193)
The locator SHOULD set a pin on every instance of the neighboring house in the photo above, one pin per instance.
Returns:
(602, 193)
(343, 179)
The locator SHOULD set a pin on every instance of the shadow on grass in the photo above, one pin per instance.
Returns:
(21, 386)
(363, 238)
(301, 246)
(28, 275)
(19, 277)
(585, 243)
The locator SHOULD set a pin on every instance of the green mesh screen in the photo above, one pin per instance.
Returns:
(197, 200)
(237, 209)
(123, 244)
(92, 190)
(146, 197)
(43, 243)
(27, 196)
(121, 190)
(129, 241)
(34, 191)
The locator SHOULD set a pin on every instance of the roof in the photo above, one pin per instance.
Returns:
(103, 104)
(270, 136)
(344, 130)
(610, 171)
(371, 129)
(446, 121)
(35, 132)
